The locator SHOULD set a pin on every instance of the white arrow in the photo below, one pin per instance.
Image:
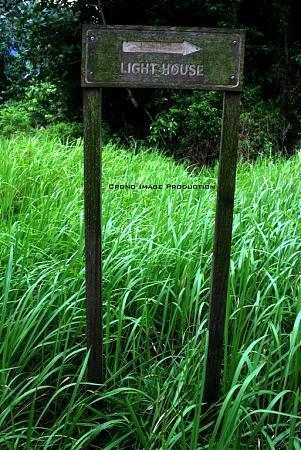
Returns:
(182, 48)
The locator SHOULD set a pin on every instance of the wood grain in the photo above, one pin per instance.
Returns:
(92, 200)
(222, 243)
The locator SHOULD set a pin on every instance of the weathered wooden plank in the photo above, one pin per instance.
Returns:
(222, 243)
(198, 58)
(92, 198)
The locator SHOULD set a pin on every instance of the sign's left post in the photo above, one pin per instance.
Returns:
(93, 247)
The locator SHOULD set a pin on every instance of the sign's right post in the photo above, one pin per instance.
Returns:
(222, 244)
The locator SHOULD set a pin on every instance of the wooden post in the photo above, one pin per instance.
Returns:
(92, 197)
(222, 244)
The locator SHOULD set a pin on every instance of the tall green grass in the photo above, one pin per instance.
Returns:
(157, 261)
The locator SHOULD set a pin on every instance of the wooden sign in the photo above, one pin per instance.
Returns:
(198, 58)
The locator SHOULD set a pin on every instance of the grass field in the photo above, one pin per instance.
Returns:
(157, 260)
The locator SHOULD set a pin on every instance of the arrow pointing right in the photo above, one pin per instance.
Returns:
(183, 48)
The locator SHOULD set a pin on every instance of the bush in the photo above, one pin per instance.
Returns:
(14, 118)
(40, 42)
(45, 103)
(66, 132)
(69, 132)
(263, 126)
(190, 125)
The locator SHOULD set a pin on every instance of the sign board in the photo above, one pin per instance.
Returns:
(194, 58)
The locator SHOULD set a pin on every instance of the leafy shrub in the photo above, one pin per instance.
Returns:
(190, 125)
(39, 41)
(13, 118)
(64, 131)
(263, 126)
(45, 103)
(71, 131)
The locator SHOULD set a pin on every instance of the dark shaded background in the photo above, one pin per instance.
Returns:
(41, 43)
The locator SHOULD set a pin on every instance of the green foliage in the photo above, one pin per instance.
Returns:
(39, 107)
(39, 44)
(157, 252)
(45, 103)
(263, 125)
(272, 54)
(70, 132)
(13, 119)
(190, 125)
(65, 132)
